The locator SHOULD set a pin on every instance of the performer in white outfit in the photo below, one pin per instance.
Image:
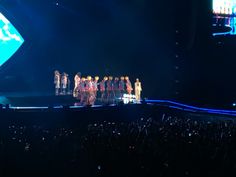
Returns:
(76, 86)
(64, 80)
(138, 89)
(57, 79)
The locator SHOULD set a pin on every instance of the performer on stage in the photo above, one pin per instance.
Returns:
(128, 85)
(102, 85)
(138, 89)
(68, 85)
(110, 91)
(82, 93)
(116, 88)
(95, 85)
(57, 78)
(64, 80)
(90, 97)
(76, 84)
(122, 86)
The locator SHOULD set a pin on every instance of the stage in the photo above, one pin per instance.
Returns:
(35, 99)
(46, 102)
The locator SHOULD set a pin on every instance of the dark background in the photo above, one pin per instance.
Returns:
(208, 62)
(167, 44)
(117, 37)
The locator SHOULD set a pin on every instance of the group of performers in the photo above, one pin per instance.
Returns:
(87, 89)
(62, 83)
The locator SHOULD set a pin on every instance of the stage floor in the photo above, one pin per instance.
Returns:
(36, 99)
(47, 100)
(33, 99)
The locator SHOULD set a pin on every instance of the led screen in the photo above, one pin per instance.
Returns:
(224, 17)
(10, 39)
(225, 7)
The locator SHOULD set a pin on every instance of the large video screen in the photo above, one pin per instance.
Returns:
(10, 39)
(224, 17)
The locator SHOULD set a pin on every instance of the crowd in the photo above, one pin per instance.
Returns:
(171, 146)
(163, 145)
(88, 89)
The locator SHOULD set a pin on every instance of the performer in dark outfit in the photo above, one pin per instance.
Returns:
(116, 88)
(102, 86)
(122, 86)
(68, 85)
(95, 85)
(110, 91)
(82, 95)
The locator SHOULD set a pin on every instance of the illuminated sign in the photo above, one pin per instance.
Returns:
(127, 98)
